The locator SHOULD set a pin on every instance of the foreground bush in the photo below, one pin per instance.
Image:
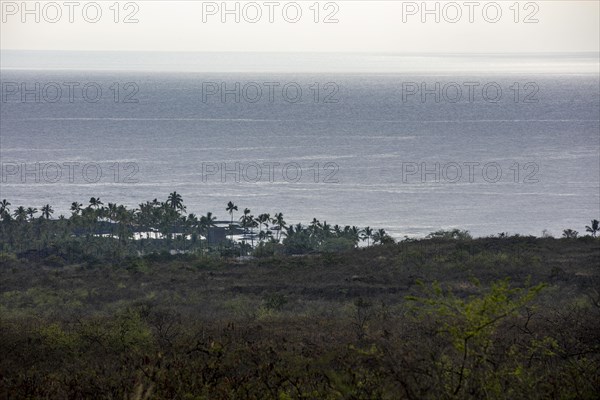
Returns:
(495, 345)
(369, 323)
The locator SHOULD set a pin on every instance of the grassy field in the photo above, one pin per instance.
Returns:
(493, 318)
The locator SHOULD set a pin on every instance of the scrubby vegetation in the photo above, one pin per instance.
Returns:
(445, 317)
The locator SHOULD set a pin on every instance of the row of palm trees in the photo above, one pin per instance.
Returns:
(168, 222)
(23, 214)
(167, 226)
(315, 230)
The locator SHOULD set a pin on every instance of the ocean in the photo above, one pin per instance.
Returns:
(489, 152)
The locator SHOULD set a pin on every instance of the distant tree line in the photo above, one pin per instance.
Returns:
(113, 230)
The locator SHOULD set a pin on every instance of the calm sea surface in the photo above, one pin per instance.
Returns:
(357, 149)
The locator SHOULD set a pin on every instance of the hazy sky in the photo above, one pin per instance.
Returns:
(363, 26)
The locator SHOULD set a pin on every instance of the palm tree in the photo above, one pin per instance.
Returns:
(381, 237)
(191, 227)
(337, 230)
(292, 230)
(76, 207)
(110, 212)
(4, 208)
(248, 221)
(95, 202)
(245, 220)
(278, 220)
(206, 222)
(175, 201)
(144, 217)
(230, 209)
(47, 211)
(263, 219)
(20, 213)
(168, 218)
(314, 227)
(326, 229)
(594, 228)
(354, 234)
(367, 234)
(124, 219)
(111, 209)
(31, 211)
